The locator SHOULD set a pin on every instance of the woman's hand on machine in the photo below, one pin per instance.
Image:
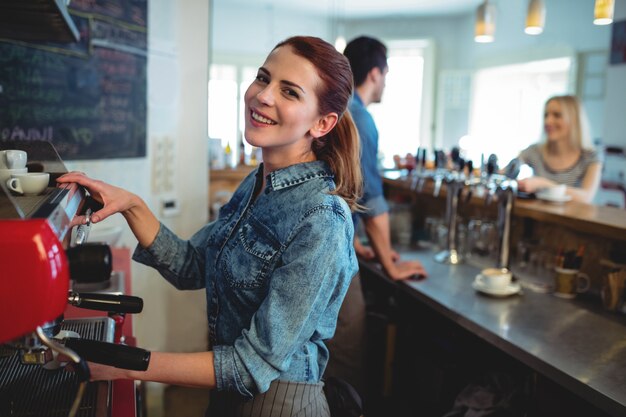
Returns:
(114, 199)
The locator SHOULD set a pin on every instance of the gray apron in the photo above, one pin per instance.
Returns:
(283, 399)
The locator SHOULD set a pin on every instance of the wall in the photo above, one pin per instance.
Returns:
(175, 168)
(254, 30)
(569, 30)
(615, 125)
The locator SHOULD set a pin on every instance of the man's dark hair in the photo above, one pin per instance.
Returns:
(365, 53)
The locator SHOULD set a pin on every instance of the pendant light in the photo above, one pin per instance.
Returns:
(603, 12)
(485, 23)
(340, 43)
(337, 13)
(536, 17)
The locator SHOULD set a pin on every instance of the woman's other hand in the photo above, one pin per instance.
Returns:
(101, 372)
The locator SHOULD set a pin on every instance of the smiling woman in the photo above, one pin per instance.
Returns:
(271, 303)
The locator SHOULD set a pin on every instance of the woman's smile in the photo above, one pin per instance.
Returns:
(260, 119)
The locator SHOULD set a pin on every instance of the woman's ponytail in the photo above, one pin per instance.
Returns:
(341, 150)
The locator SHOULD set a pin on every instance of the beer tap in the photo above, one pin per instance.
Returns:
(421, 173)
(507, 190)
(470, 181)
(417, 172)
(489, 181)
(440, 171)
(454, 185)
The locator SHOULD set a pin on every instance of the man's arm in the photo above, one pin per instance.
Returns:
(377, 230)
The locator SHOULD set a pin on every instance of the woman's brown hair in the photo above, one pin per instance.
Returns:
(340, 148)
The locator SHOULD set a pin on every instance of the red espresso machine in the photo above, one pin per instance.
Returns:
(40, 260)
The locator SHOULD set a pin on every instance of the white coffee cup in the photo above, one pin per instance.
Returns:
(558, 191)
(496, 278)
(5, 173)
(30, 183)
(12, 159)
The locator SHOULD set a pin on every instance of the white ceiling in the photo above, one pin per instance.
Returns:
(366, 8)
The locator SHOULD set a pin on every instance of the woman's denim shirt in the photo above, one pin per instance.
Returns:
(275, 269)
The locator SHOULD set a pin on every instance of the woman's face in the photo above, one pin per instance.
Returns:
(555, 123)
(281, 104)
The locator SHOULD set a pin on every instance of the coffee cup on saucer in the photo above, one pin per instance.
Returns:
(495, 278)
(555, 192)
(29, 183)
(6, 173)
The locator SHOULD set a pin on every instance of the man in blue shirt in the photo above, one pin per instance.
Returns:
(368, 60)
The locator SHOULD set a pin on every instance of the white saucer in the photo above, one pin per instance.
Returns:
(479, 285)
(551, 199)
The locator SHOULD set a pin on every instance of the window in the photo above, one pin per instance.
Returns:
(401, 117)
(507, 105)
(248, 75)
(223, 106)
(227, 86)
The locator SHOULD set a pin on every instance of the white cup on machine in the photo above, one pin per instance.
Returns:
(6, 173)
(29, 183)
(13, 159)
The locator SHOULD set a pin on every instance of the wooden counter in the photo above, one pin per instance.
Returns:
(603, 221)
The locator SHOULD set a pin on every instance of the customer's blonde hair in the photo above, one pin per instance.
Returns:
(574, 113)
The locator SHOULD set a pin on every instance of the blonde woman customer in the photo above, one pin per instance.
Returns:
(566, 156)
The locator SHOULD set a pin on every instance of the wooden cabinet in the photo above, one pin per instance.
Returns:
(222, 184)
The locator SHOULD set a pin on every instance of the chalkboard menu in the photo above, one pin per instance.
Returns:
(88, 98)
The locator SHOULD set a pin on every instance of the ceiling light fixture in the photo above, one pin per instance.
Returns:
(485, 23)
(337, 14)
(535, 17)
(340, 43)
(603, 12)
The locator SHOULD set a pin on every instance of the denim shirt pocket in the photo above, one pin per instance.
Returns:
(248, 258)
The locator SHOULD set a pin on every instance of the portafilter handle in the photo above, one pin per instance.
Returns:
(119, 356)
(113, 303)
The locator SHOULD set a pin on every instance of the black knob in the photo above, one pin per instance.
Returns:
(90, 262)
(120, 356)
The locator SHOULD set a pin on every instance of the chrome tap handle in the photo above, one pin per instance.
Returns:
(506, 201)
(420, 183)
(454, 186)
(82, 231)
(438, 181)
